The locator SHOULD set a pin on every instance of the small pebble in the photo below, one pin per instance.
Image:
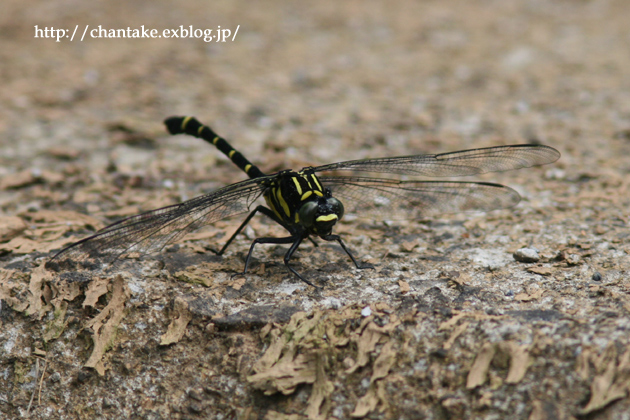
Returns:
(597, 276)
(527, 255)
(108, 403)
(573, 259)
(366, 311)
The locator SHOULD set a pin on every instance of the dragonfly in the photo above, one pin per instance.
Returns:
(309, 203)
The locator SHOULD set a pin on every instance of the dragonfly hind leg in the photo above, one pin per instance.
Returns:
(293, 240)
(262, 209)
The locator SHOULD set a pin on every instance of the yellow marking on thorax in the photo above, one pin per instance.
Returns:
(306, 195)
(283, 203)
(303, 175)
(316, 182)
(318, 193)
(297, 185)
(271, 205)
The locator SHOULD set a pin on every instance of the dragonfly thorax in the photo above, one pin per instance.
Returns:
(301, 203)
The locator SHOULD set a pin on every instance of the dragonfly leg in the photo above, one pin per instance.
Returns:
(343, 245)
(293, 240)
(262, 209)
(287, 258)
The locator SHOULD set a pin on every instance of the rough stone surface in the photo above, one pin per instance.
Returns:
(457, 328)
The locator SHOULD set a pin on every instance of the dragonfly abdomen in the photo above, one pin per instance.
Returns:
(191, 126)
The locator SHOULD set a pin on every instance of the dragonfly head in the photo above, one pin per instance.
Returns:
(320, 215)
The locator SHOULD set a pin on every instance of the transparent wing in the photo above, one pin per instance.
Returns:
(151, 231)
(465, 162)
(389, 199)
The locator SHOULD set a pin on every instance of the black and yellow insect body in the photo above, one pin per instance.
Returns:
(296, 200)
(309, 205)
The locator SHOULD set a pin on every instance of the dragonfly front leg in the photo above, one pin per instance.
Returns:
(343, 245)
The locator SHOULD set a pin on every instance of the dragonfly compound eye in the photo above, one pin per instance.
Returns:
(336, 207)
(307, 213)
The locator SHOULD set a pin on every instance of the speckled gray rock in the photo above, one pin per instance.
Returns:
(527, 255)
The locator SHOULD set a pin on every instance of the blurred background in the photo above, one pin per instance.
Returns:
(321, 82)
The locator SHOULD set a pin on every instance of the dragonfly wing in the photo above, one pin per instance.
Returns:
(465, 162)
(151, 231)
(388, 199)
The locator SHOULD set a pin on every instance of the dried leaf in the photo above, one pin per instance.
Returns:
(64, 217)
(281, 369)
(478, 316)
(177, 327)
(66, 290)
(456, 333)
(322, 389)
(519, 361)
(63, 152)
(123, 211)
(18, 180)
(453, 321)
(274, 415)
(583, 364)
(613, 381)
(39, 276)
(479, 370)
(404, 286)
(384, 361)
(10, 286)
(376, 395)
(286, 375)
(202, 274)
(105, 324)
(366, 403)
(525, 297)
(10, 227)
(408, 246)
(299, 353)
(367, 341)
(97, 288)
(238, 283)
(22, 245)
(543, 271)
(546, 410)
(48, 233)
